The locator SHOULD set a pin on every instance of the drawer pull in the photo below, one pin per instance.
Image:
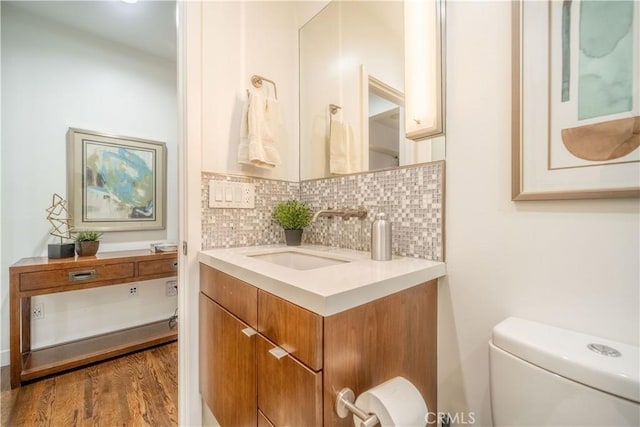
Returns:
(77, 276)
(278, 352)
(174, 265)
(249, 332)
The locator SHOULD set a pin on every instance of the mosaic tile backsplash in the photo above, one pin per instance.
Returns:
(412, 198)
(225, 228)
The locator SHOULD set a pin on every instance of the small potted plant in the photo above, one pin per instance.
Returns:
(293, 216)
(87, 242)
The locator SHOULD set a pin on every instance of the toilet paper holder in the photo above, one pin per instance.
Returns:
(345, 405)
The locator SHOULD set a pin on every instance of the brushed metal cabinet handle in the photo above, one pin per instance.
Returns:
(77, 276)
(249, 332)
(278, 352)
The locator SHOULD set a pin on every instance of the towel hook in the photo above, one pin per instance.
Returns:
(333, 109)
(257, 80)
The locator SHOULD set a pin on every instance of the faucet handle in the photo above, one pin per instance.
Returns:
(360, 212)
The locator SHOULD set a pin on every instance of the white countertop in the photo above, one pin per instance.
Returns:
(326, 290)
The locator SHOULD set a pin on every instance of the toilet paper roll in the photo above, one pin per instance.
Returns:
(397, 403)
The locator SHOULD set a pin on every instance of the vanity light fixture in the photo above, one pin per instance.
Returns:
(423, 89)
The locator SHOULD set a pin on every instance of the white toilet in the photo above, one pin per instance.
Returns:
(547, 376)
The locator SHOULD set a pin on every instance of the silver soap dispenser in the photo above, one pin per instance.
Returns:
(381, 238)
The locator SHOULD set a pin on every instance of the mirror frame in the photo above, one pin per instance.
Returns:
(425, 54)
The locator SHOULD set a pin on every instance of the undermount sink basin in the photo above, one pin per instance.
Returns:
(323, 279)
(298, 260)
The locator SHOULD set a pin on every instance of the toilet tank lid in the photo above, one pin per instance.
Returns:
(566, 353)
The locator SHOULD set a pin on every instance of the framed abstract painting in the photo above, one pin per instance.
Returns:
(576, 99)
(115, 183)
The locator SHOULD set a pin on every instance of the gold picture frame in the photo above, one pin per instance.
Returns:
(115, 183)
(534, 177)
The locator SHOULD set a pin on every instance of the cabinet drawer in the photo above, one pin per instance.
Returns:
(289, 393)
(73, 276)
(297, 330)
(240, 298)
(160, 266)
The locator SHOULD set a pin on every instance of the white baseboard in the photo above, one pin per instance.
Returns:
(4, 358)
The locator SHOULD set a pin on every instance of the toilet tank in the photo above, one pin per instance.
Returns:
(547, 376)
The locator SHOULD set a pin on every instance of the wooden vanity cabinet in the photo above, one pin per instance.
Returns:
(236, 296)
(227, 365)
(265, 361)
(289, 393)
(295, 329)
(257, 351)
(263, 421)
(374, 342)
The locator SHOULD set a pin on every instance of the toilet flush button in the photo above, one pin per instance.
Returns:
(604, 350)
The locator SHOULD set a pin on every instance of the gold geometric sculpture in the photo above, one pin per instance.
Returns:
(59, 217)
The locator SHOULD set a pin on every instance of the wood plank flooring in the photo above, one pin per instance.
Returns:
(140, 389)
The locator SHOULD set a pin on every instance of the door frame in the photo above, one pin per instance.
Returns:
(189, 23)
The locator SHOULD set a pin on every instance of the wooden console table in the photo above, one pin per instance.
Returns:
(40, 276)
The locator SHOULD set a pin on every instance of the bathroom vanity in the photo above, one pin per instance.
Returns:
(283, 330)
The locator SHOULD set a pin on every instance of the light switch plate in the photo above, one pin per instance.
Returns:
(234, 195)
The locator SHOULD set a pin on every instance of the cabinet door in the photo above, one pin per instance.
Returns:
(227, 366)
(263, 421)
(289, 393)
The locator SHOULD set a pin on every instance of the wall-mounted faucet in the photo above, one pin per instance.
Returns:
(344, 213)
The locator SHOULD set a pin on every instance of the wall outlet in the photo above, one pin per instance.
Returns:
(172, 288)
(249, 195)
(133, 291)
(37, 311)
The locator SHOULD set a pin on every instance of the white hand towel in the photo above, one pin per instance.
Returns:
(344, 152)
(260, 130)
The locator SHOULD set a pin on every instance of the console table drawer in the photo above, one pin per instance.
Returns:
(161, 266)
(56, 278)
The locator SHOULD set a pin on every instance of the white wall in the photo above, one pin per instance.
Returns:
(54, 78)
(572, 264)
(241, 39)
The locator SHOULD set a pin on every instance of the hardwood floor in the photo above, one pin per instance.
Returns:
(140, 389)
